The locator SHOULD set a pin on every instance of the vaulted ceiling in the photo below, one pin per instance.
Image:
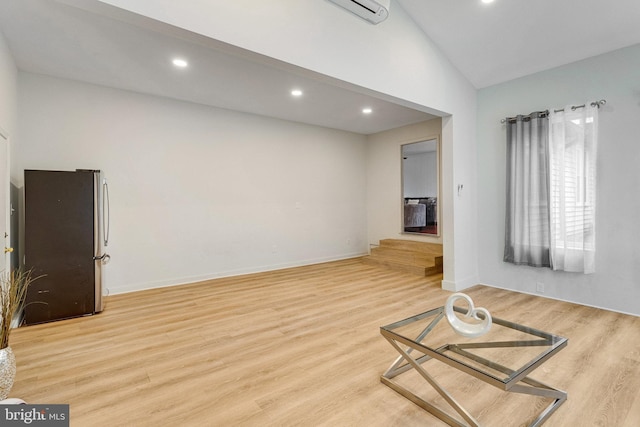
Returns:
(495, 42)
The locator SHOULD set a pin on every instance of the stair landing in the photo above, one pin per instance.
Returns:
(420, 258)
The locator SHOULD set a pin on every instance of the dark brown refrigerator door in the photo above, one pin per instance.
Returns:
(59, 244)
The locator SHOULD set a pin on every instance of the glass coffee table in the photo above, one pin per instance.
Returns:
(504, 358)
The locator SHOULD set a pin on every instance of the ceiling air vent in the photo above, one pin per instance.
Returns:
(374, 11)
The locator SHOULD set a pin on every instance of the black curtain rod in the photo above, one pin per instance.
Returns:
(545, 112)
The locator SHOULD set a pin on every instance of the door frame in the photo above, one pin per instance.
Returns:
(4, 139)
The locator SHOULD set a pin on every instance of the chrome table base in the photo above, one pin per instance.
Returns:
(519, 381)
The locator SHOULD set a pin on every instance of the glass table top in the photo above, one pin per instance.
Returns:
(503, 356)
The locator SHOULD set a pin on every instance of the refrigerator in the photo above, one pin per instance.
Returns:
(66, 234)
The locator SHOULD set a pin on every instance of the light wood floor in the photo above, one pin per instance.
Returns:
(302, 347)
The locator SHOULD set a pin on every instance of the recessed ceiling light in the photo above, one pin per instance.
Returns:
(181, 63)
(296, 92)
(487, 1)
(367, 110)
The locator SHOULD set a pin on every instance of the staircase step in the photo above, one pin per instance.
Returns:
(409, 268)
(415, 257)
(403, 255)
(412, 245)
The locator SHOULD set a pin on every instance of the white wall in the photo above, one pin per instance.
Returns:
(614, 77)
(394, 58)
(384, 180)
(198, 192)
(8, 88)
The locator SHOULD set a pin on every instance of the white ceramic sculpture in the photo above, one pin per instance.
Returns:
(469, 330)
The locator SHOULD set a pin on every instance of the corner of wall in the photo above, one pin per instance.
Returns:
(8, 88)
(459, 285)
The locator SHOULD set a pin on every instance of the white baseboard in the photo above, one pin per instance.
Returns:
(459, 285)
(218, 275)
(561, 299)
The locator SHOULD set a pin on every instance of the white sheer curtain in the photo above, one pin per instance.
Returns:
(527, 232)
(573, 142)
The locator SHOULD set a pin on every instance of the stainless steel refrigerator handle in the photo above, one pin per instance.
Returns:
(106, 219)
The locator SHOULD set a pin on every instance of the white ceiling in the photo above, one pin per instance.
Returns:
(488, 43)
(507, 39)
(114, 48)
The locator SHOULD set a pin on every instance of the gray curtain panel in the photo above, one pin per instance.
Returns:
(527, 233)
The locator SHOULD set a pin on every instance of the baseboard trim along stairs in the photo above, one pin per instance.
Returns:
(420, 258)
